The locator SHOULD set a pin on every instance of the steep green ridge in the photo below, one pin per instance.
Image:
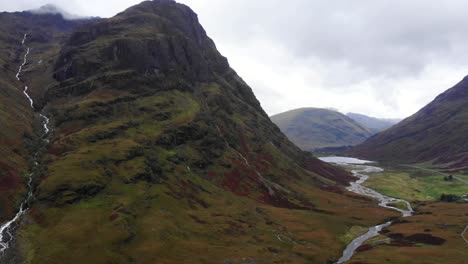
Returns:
(375, 125)
(434, 135)
(160, 153)
(314, 128)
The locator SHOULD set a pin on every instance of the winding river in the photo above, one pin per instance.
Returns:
(6, 229)
(362, 171)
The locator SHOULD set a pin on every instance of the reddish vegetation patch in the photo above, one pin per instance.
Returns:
(364, 248)
(400, 221)
(241, 179)
(262, 165)
(273, 250)
(233, 182)
(56, 149)
(281, 200)
(332, 189)
(36, 215)
(113, 217)
(359, 197)
(211, 176)
(333, 173)
(11, 180)
(71, 129)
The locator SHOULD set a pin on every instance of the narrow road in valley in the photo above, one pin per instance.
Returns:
(6, 229)
(362, 172)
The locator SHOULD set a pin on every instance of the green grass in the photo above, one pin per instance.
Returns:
(414, 185)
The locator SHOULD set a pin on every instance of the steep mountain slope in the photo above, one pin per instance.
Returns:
(18, 122)
(435, 134)
(160, 153)
(375, 125)
(314, 128)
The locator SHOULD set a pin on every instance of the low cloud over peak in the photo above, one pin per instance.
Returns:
(380, 58)
(53, 9)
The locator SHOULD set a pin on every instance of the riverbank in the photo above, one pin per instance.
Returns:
(362, 172)
(431, 235)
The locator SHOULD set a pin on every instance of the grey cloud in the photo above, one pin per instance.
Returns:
(53, 9)
(383, 57)
(389, 38)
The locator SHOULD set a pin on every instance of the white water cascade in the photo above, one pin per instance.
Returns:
(6, 229)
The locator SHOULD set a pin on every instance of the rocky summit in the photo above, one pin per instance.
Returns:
(158, 151)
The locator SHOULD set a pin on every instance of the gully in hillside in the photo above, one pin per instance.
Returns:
(6, 229)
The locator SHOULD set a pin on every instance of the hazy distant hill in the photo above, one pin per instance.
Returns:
(314, 128)
(376, 125)
(437, 133)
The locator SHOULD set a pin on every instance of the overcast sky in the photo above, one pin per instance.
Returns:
(384, 58)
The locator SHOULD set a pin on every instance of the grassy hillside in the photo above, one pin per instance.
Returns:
(160, 153)
(314, 128)
(435, 135)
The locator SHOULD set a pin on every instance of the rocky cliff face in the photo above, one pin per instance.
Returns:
(161, 151)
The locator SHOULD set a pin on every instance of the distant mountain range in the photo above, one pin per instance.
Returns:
(436, 134)
(376, 125)
(317, 128)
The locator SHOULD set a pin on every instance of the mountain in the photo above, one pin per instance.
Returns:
(436, 134)
(316, 128)
(19, 126)
(158, 151)
(375, 125)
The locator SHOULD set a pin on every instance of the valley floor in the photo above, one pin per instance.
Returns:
(434, 234)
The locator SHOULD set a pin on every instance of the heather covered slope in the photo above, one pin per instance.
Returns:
(315, 128)
(436, 134)
(162, 154)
